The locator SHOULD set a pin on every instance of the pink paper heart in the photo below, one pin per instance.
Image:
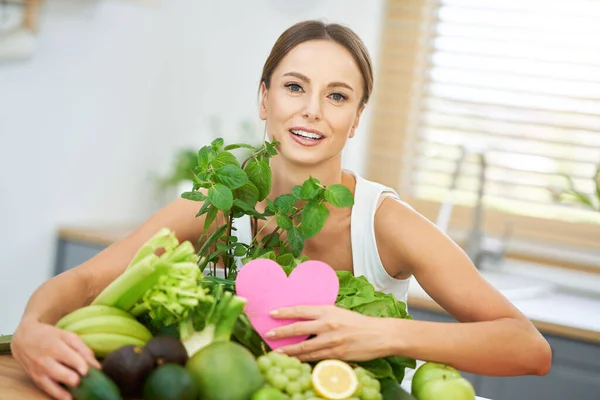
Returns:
(265, 286)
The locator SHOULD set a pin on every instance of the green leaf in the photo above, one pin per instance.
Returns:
(231, 176)
(211, 215)
(270, 207)
(221, 196)
(314, 216)
(259, 173)
(204, 208)
(285, 259)
(203, 157)
(285, 203)
(212, 239)
(339, 196)
(248, 194)
(240, 250)
(309, 190)
(297, 191)
(284, 222)
(273, 239)
(217, 144)
(194, 196)
(270, 147)
(238, 146)
(295, 240)
(224, 158)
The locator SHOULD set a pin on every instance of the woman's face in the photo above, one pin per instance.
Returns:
(312, 105)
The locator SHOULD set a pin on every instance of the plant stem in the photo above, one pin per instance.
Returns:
(272, 235)
(253, 156)
(255, 239)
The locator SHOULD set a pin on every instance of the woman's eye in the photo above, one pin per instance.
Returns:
(338, 97)
(294, 87)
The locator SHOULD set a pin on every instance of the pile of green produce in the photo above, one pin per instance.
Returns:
(169, 328)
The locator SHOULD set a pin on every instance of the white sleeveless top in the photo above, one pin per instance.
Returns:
(365, 257)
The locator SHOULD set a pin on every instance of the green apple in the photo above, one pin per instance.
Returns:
(435, 381)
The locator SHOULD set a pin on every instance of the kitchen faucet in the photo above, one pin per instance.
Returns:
(478, 246)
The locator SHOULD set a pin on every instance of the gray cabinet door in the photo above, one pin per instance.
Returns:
(70, 254)
(575, 371)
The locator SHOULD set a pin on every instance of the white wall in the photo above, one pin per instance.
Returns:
(115, 87)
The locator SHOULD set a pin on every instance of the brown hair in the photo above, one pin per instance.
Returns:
(316, 30)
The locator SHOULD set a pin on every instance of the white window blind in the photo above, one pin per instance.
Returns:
(522, 79)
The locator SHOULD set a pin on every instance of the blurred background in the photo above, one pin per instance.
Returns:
(104, 102)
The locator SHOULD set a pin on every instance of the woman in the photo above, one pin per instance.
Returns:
(314, 88)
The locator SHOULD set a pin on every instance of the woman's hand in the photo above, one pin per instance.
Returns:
(51, 356)
(340, 333)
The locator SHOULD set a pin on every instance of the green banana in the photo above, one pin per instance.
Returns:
(90, 312)
(110, 324)
(102, 344)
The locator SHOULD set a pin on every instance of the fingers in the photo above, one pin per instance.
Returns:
(301, 312)
(52, 388)
(78, 345)
(66, 355)
(296, 329)
(61, 373)
(306, 347)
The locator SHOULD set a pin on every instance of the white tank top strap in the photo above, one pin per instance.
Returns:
(365, 255)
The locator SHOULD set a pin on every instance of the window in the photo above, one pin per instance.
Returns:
(520, 79)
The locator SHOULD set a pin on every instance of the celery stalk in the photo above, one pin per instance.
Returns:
(131, 285)
(162, 239)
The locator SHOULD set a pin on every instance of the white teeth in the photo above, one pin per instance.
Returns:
(308, 135)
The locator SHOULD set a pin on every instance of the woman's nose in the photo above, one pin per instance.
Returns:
(312, 109)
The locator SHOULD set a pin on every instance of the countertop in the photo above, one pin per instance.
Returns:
(15, 384)
(563, 313)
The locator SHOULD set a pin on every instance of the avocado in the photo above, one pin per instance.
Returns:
(95, 386)
(170, 382)
(167, 350)
(128, 367)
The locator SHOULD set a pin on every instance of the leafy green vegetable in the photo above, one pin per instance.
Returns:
(357, 294)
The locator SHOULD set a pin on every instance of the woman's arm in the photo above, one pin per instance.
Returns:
(494, 338)
(79, 286)
(51, 356)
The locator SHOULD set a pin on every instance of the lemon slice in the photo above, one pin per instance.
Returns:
(334, 380)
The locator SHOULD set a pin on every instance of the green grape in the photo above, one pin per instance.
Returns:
(292, 373)
(306, 368)
(309, 393)
(280, 381)
(296, 362)
(293, 387)
(369, 393)
(297, 396)
(305, 382)
(264, 363)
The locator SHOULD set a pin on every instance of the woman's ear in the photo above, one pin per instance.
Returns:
(356, 121)
(262, 113)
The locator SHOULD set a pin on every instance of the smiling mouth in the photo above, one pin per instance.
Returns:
(306, 135)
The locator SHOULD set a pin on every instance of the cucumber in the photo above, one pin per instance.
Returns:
(5, 344)
(96, 386)
(391, 390)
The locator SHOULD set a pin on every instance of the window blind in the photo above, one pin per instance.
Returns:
(520, 79)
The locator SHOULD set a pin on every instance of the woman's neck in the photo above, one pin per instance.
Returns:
(286, 175)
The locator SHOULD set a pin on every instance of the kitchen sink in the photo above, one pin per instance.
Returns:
(518, 287)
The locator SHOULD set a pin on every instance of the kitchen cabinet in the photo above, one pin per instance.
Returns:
(575, 371)
(70, 253)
